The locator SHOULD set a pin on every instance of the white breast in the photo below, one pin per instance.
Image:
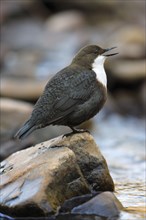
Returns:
(98, 68)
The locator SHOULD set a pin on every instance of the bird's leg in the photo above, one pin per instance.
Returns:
(75, 131)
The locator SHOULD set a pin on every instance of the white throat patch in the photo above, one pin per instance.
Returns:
(98, 68)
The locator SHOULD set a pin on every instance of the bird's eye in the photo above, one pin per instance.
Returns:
(96, 51)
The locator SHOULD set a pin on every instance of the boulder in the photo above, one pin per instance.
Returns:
(90, 160)
(36, 181)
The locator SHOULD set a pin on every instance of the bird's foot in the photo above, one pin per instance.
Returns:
(75, 131)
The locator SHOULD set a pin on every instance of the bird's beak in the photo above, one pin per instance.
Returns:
(108, 49)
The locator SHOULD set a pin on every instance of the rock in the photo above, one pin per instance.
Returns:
(5, 217)
(78, 217)
(10, 146)
(13, 114)
(132, 50)
(90, 206)
(43, 184)
(57, 23)
(31, 90)
(69, 204)
(41, 178)
(105, 204)
(128, 70)
(91, 162)
(130, 41)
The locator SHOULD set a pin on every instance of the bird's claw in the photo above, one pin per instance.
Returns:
(75, 131)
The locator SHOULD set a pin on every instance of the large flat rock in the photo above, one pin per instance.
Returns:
(36, 181)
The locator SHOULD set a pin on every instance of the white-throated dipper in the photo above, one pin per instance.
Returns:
(74, 95)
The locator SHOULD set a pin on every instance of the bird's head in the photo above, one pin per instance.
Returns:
(91, 54)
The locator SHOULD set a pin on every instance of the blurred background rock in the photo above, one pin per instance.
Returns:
(39, 37)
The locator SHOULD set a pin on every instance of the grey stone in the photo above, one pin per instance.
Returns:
(105, 204)
(69, 204)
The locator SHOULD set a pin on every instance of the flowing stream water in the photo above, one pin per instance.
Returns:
(122, 142)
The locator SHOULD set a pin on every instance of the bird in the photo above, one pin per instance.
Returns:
(73, 95)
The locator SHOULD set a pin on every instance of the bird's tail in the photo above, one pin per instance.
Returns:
(25, 130)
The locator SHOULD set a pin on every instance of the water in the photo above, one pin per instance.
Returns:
(122, 142)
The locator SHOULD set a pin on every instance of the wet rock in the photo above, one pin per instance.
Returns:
(41, 178)
(91, 206)
(5, 217)
(69, 204)
(105, 204)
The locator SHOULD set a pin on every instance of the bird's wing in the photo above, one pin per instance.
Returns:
(79, 91)
(66, 93)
